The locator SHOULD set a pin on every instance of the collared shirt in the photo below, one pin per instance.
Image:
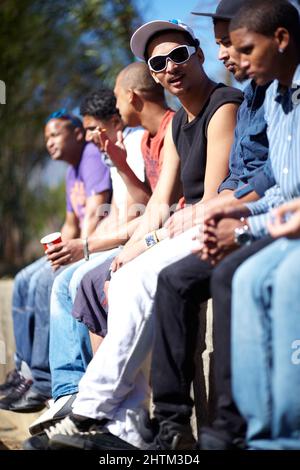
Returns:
(282, 114)
(249, 153)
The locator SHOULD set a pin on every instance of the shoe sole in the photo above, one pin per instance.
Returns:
(40, 425)
(33, 409)
(105, 442)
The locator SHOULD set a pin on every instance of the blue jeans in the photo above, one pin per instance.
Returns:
(30, 308)
(266, 345)
(70, 348)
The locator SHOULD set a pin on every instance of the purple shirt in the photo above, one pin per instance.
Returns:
(90, 177)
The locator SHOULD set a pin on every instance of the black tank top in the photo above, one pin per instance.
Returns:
(190, 139)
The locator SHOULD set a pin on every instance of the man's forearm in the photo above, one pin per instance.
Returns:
(227, 197)
(68, 232)
(153, 219)
(107, 239)
(139, 191)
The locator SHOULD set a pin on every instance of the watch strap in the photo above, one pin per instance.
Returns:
(86, 249)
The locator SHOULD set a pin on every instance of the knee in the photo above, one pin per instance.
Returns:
(222, 276)
(242, 279)
(249, 283)
(59, 285)
(73, 285)
(287, 277)
(20, 276)
(167, 277)
(172, 280)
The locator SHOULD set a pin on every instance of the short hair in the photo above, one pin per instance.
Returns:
(137, 76)
(64, 115)
(219, 20)
(265, 16)
(189, 39)
(100, 103)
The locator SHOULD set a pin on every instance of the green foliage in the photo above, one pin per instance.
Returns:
(46, 210)
(52, 52)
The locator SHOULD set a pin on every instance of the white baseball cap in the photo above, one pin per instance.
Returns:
(142, 35)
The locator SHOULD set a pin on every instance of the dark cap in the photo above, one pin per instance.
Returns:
(226, 10)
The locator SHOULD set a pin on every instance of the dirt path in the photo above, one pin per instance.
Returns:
(14, 428)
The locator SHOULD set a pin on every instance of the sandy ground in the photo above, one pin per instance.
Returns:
(14, 428)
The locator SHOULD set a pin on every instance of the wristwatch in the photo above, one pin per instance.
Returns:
(86, 251)
(243, 235)
(151, 239)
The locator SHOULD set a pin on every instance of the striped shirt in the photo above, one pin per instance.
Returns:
(282, 114)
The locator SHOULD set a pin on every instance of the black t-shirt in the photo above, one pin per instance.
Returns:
(190, 139)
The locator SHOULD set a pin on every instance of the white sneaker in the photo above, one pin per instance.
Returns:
(61, 408)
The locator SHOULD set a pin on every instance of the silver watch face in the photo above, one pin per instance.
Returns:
(242, 236)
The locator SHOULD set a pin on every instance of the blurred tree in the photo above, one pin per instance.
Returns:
(52, 52)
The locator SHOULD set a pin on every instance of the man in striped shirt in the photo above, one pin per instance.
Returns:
(266, 34)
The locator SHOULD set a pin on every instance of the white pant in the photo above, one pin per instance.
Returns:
(116, 383)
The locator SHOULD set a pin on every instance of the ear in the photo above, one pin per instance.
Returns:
(79, 134)
(282, 38)
(137, 101)
(154, 77)
(116, 121)
(130, 94)
(200, 54)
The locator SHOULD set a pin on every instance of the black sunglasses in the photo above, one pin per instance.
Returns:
(178, 55)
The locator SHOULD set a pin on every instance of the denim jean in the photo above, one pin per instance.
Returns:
(265, 338)
(70, 348)
(23, 321)
(30, 307)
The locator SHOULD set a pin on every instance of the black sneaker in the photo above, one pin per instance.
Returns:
(30, 402)
(173, 436)
(15, 394)
(61, 408)
(37, 442)
(211, 438)
(12, 380)
(93, 440)
(147, 427)
(70, 426)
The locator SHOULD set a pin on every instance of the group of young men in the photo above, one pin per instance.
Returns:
(233, 158)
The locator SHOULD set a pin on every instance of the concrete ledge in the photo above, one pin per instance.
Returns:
(7, 342)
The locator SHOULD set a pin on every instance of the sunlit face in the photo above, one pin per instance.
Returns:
(91, 123)
(258, 54)
(60, 139)
(227, 53)
(176, 78)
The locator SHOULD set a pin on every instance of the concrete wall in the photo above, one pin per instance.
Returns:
(7, 343)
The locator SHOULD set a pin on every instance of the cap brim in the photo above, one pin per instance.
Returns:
(213, 15)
